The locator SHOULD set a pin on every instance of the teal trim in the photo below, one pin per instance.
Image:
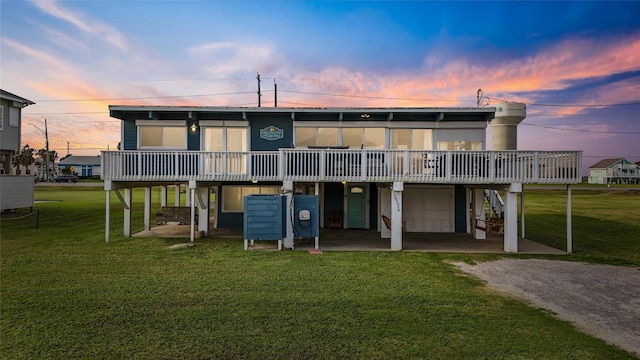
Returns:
(130, 135)
(461, 211)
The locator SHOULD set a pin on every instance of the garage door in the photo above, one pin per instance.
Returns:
(428, 209)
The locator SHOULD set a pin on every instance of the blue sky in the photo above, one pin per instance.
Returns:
(576, 64)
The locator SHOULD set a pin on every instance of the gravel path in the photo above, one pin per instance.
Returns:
(600, 300)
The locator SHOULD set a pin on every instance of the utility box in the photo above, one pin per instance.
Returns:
(306, 216)
(264, 218)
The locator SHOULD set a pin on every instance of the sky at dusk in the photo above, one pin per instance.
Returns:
(575, 64)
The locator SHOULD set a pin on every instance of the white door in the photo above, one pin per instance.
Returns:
(428, 209)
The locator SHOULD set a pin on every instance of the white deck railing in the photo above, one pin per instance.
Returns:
(333, 165)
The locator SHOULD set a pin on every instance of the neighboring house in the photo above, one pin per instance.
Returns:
(421, 169)
(614, 171)
(84, 166)
(15, 191)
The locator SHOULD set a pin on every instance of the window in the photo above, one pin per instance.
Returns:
(225, 139)
(411, 139)
(233, 196)
(169, 137)
(328, 136)
(356, 137)
(14, 116)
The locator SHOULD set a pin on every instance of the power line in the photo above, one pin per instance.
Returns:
(587, 131)
(364, 96)
(575, 105)
(145, 98)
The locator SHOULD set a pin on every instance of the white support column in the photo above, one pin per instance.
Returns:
(107, 218)
(569, 226)
(192, 192)
(396, 215)
(176, 196)
(522, 233)
(203, 210)
(147, 208)
(511, 217)
(127, 212)
(163, 195)
(317, 192)
(479, 225)
(287, 186)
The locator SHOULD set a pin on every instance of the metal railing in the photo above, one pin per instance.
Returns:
(335, 165)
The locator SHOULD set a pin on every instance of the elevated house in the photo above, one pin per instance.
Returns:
(614, 171)
(15, 191)
(421, 170)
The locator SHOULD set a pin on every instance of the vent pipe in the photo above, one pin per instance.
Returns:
(504, 126)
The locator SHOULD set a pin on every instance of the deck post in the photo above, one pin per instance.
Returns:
(569, 229)
(396, 215)
(107, 218)
(522, 214)
(163, 195)
(479, 224)
(287, 187)
(317, 192)
(511, 217)
(192, 192)
(176, 195)
(147, 208)
(127, 212)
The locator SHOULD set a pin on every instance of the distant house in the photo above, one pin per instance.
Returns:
(614, 171)
(85, 166)
(15, 191)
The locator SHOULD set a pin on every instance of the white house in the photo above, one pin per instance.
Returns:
(85, 166)
(15, 191)
(614, 171)
(424, 169)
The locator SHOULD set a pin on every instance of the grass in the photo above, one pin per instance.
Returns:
(606, 224)
(67, 294)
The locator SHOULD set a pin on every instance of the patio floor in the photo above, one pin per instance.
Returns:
(369, 240)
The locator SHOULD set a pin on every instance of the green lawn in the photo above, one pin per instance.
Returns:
(67, 294)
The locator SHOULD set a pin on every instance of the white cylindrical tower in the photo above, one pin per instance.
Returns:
(504, 126)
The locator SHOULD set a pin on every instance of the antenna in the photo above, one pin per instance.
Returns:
(275, 93)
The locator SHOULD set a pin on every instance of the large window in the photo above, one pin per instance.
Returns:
(356, 137)
(233, 196)
(225, 139)
(411, 139)
(171, 137)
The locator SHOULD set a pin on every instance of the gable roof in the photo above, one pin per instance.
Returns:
(603, 164)
(12, 97)
(81, 160)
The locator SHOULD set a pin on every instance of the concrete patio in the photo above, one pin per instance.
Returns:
(369, 240)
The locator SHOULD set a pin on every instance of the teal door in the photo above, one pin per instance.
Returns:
(356, 207)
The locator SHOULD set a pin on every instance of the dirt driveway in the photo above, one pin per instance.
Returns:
(600, 300)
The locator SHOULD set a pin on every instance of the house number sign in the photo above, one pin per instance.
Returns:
(271, 133)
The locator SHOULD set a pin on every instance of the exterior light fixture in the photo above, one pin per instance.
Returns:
(194, 127)
(365, 116)
(254, 181)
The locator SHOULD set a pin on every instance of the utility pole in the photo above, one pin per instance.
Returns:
(259, 93)
(46, 137)
(275, 93)
(67, 148)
